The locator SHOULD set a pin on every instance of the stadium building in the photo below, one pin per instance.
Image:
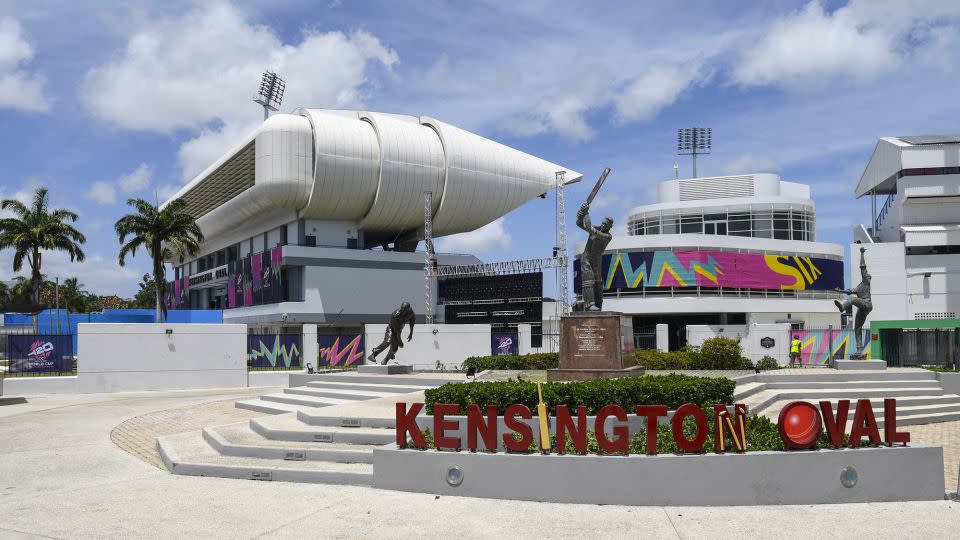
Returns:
(723, 253)
(913, 248)
(315, 217)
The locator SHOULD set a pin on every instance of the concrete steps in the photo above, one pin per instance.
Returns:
(324, 431)
(920, 398)
(190, 454)
(268, 407)
(241, 441)
(287, 427)
(908, 412)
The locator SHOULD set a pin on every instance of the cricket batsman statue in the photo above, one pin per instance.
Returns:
(859, 296)
(591, 260)
(393, 338)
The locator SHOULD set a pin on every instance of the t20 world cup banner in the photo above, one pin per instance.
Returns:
(40, 353)
(692, 268)
(503, 343)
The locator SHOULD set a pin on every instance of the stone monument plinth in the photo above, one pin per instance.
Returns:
(592, 345)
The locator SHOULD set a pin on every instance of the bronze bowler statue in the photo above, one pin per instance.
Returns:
(860, 297)
(393, 337)
(591, 260)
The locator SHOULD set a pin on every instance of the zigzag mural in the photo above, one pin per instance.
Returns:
(687, 268)
(815, 345)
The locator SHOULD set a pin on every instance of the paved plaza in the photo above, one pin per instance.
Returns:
(63, 477)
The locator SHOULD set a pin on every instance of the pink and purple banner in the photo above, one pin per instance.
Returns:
(690, 268)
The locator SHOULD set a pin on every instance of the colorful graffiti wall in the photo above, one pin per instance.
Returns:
(689, 268)
(817, 347)
(274, 350)
(340, 349)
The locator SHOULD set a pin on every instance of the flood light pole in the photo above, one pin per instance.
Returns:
(270, 94)
(694, 141)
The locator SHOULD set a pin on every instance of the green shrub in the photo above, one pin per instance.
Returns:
(535, 361)
(721, 353)
(655, 359)
(715, 353)
(671, 390)
(762, 435)
(767, 363)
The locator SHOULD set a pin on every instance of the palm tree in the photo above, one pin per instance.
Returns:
(163, 233)
(36, 229)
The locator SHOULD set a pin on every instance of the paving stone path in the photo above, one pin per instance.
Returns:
(947, 435)
(138, 435)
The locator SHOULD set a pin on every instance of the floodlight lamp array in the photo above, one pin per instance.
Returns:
(271, 90)
(694, 140)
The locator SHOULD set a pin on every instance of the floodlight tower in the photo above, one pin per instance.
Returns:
(270, 94)
(693, 142)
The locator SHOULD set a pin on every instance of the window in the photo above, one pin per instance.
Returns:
(691, 224)
(670, 225)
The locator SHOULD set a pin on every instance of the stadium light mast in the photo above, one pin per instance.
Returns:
(270, 94)
(694, 142)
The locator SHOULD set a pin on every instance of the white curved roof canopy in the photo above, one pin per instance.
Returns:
(370, 168)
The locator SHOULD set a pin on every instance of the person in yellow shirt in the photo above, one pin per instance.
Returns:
(795, 351)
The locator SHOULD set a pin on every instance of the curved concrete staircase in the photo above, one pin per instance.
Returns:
(920, 398)
(323, 432)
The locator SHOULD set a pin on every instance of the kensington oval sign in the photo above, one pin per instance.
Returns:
(800, 426)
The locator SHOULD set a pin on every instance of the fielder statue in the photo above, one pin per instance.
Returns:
(859, 297)
(393, 338)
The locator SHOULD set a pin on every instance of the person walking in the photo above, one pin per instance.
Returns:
(795, 351)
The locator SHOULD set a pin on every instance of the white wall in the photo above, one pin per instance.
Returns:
(932, 284)
(451, 345)
(698, 333)
(886, 265)
(126, 357)
(749, 336)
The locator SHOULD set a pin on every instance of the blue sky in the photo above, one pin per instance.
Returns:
(100, 103)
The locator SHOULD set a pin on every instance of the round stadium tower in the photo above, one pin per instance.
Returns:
(722, 255)
(316, 215)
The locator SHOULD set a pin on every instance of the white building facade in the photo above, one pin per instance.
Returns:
(316, 216)
(722, 255)
(913, 244)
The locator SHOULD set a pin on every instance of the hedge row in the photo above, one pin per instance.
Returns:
(535, 361)
(671, 390)
(715, 353)
(762, 435)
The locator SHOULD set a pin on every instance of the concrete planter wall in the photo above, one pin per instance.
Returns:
(30, 386)
(803, 477)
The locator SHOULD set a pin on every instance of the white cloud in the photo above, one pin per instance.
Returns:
(24, 195)
(99, 274)
(655, 90)
(859, 41)
(750, 163)
(19, 89)
(166, 191)
(492, 237)
(102, 192)
(198, 71)
(136, 180)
